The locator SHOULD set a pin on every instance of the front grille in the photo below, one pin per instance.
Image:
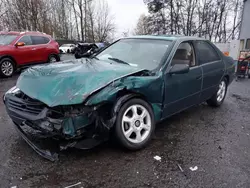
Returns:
(23, 103)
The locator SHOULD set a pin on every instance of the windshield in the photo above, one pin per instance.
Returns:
(143, 53)
(6, 39)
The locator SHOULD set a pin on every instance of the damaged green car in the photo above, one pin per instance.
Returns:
(122, 91)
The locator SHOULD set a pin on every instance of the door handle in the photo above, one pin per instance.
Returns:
(33, 49)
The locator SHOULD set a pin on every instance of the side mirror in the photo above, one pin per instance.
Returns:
(19, 44)
(179, 69)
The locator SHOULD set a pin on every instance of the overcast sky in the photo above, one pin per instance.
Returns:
(126, 14)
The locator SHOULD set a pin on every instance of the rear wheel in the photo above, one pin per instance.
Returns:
(53, 58)
(7, 67)
(135, 124)
(218, 98)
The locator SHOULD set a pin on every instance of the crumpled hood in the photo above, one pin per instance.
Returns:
(70, 82)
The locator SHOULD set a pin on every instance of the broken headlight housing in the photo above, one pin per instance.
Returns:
(12, 90)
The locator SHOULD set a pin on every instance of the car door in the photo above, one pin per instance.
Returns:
(25, 54)
(40, 48)
(182, 90)
(212, 66)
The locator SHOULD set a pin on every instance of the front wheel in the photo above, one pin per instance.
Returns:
(135, 124)
(7, 67)
(218, 98)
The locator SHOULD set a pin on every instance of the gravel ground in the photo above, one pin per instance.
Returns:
(214, 140)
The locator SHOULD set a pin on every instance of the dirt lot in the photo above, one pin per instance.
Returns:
(217, 141)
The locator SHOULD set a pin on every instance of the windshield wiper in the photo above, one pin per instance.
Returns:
(94, 57)
(118, 60)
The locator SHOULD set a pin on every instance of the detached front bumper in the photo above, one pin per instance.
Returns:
(48, 136)
(44, 147)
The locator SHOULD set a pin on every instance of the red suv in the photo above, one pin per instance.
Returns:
(21, 49)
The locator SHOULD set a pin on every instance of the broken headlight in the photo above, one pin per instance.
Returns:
(12, 90)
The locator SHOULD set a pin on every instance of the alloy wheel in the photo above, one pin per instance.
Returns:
(222, 91)
(136, 124)
(52, 59)
(7, 68)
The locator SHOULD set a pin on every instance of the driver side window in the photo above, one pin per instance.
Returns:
(26, 39)
(184, 55)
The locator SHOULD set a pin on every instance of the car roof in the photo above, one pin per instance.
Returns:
(10, 32)
(25, 33)
(166, 37)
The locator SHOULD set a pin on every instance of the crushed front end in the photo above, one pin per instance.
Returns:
(49, 130)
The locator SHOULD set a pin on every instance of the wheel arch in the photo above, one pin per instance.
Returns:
(10, 57)
(125, 95)
(227, 78)
(56, 56)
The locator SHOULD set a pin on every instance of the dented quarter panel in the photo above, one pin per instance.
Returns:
(70, 82)
(150, 87)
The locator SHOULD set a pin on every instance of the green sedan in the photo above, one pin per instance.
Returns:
(121, 92)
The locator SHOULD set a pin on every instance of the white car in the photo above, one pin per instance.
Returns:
(67, 48)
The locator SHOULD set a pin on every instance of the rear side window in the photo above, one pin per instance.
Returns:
(46, 40)
(206, 53)
(26, 39)
(39, 40)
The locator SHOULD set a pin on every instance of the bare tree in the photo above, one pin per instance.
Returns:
(104, 26)
(86, 20)
(2, 14)
(211, 19)
(142, 27)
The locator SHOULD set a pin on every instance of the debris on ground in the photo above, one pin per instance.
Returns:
(79, 183)
(158, 158)
(180, 168)
(194, 168)
(14, 186)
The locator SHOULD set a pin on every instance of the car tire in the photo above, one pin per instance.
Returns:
(68, 51)
(53, 58)
(77, 55)
(217, 99)
(135, 132)
(7, 67)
